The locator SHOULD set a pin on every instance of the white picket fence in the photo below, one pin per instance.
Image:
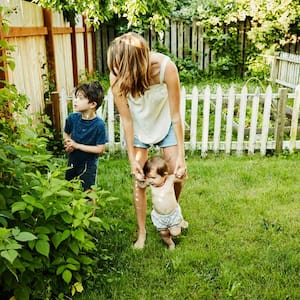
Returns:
(231, 122)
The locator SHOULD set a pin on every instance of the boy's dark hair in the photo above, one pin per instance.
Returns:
(93, 91)
(158, 163)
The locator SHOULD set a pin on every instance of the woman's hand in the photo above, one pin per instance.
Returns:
(137, 171)
(180, 169)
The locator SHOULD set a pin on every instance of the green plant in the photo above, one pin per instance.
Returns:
(47, 224)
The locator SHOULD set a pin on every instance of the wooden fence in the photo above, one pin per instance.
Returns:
(285, 69)
(49, 53)
(232, 122)
(184, 39)
(181, 38)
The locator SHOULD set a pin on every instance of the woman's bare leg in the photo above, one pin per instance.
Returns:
(170, 155)
(140, 202)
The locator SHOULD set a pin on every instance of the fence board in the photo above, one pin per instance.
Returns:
(229, 120)
(194, 118)
(218, 119)
(205, 128)
(295, 119)
(253, 125)
(242, 116)
(266, 120)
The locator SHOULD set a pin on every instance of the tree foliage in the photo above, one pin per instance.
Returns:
(138, 13)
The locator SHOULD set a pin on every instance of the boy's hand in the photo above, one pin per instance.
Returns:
(68, 145)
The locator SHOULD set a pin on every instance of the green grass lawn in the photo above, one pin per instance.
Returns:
(243, 241)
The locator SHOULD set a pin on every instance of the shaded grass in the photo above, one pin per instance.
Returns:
(242, 243)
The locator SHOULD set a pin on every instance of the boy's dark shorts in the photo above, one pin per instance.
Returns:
(87, 173)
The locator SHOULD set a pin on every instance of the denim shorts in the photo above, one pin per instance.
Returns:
(168, 141)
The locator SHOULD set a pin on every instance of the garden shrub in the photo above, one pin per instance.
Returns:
(47, 224)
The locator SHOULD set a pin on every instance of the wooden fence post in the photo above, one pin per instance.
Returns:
(56, 112)
(50, 45)
(280, 119)
(274, 67)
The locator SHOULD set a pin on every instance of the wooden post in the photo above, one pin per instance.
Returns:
(56, 112)
(3, 65)
(74, 55)
(50, 45)
(280, 119)
(86, 47)
(274, 67)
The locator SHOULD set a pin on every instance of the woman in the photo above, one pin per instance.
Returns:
(146, 91)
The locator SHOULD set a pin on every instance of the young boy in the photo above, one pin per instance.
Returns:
(85, 134)
(166, 214)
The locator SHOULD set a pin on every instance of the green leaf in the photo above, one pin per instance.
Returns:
(72, 267)
(74, 247)
(43, 236)
(25, 237)
(95, 219)
(3, 222)
(78, 235)
(67, 218)
(60, 237)
(66, 194)
(6, 214)
(43, 229)
(73, 261)
(22, 292)
(10, 255)
(17, 206)
(42, 247)
(86, 260)
(67, 276)
(29, 199)
(60, 269)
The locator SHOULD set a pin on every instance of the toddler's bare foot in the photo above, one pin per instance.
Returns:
(172, 246)
(139, 244)
(184, 224)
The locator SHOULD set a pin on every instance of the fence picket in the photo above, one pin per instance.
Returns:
(205, 125)
(242, 117)
(253, 125)
(295, 118)
(194, 118)
(218, 119)
(229, 120)
(266, 120)
(183, 107)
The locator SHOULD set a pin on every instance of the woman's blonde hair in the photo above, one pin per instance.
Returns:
(128, 60)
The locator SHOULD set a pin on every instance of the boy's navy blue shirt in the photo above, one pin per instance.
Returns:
(87, 132)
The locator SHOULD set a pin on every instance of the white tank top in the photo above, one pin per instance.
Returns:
(150, 112)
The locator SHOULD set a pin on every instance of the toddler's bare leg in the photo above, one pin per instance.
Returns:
(175, 230)
(166, 237)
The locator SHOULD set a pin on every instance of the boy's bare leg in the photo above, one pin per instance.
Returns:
(140, 201)
(166, 237)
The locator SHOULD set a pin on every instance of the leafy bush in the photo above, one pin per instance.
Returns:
(47, 224)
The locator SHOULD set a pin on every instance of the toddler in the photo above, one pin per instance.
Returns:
(166, 214)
